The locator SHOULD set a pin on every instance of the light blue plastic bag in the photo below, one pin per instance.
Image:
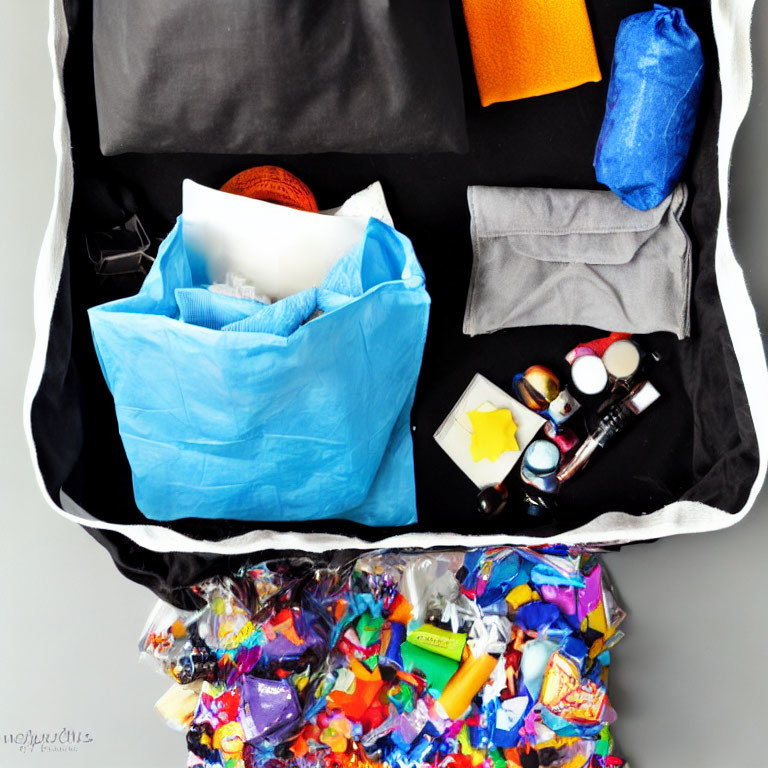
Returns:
(220, 419)
(653, 98)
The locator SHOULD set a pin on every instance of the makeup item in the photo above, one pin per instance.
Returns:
(595, 347)
(562, 407)
(541, 457)
(539, 466)
(615, 420)
(465, 685)
(437, 670)
(563, 437)
(621, 360)
(537, 387)
(492, 500)
(589, 375)
(439, 641)
(560, 410)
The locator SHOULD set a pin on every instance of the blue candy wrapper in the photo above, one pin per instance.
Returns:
(653, 98)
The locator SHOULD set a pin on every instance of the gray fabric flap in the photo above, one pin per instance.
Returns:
(575, 257)
(565, 225)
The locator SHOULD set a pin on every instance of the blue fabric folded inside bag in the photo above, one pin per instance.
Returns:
(230, 408)
(201, 306)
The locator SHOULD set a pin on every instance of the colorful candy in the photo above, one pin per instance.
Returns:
(468, 659)
(439, 641)
(436, 670)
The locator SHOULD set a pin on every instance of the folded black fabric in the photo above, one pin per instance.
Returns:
(277, 76)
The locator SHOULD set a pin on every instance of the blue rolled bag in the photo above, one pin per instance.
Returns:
(653, 98)
(230, 408)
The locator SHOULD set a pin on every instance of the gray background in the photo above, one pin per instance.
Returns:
(688, 682)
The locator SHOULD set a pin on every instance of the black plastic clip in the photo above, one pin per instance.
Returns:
(120, 251)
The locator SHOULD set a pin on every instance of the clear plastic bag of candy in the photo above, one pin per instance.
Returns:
(493, 657)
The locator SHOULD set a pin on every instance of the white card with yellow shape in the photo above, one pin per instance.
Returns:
(487, 432)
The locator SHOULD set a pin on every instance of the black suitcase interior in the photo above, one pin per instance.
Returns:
(698, 443)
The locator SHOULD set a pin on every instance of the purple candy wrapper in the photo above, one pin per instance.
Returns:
(269, 707)
(282, 648)
(563, 597)
(592, 594)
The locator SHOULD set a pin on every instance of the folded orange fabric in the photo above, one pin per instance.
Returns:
(523, 48)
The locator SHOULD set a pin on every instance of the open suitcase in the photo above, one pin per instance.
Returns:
(696, 461)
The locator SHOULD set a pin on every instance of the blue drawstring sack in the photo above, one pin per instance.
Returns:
(653, 98)
(232, 408)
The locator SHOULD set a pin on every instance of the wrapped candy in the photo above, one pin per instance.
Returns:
(436, 670)
(463, 658)
(269, 707)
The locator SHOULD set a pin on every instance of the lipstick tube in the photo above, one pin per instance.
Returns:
(615, 421)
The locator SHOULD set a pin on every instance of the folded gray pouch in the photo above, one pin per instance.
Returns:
(575, 257)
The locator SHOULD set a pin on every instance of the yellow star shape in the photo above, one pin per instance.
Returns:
(493, 433)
